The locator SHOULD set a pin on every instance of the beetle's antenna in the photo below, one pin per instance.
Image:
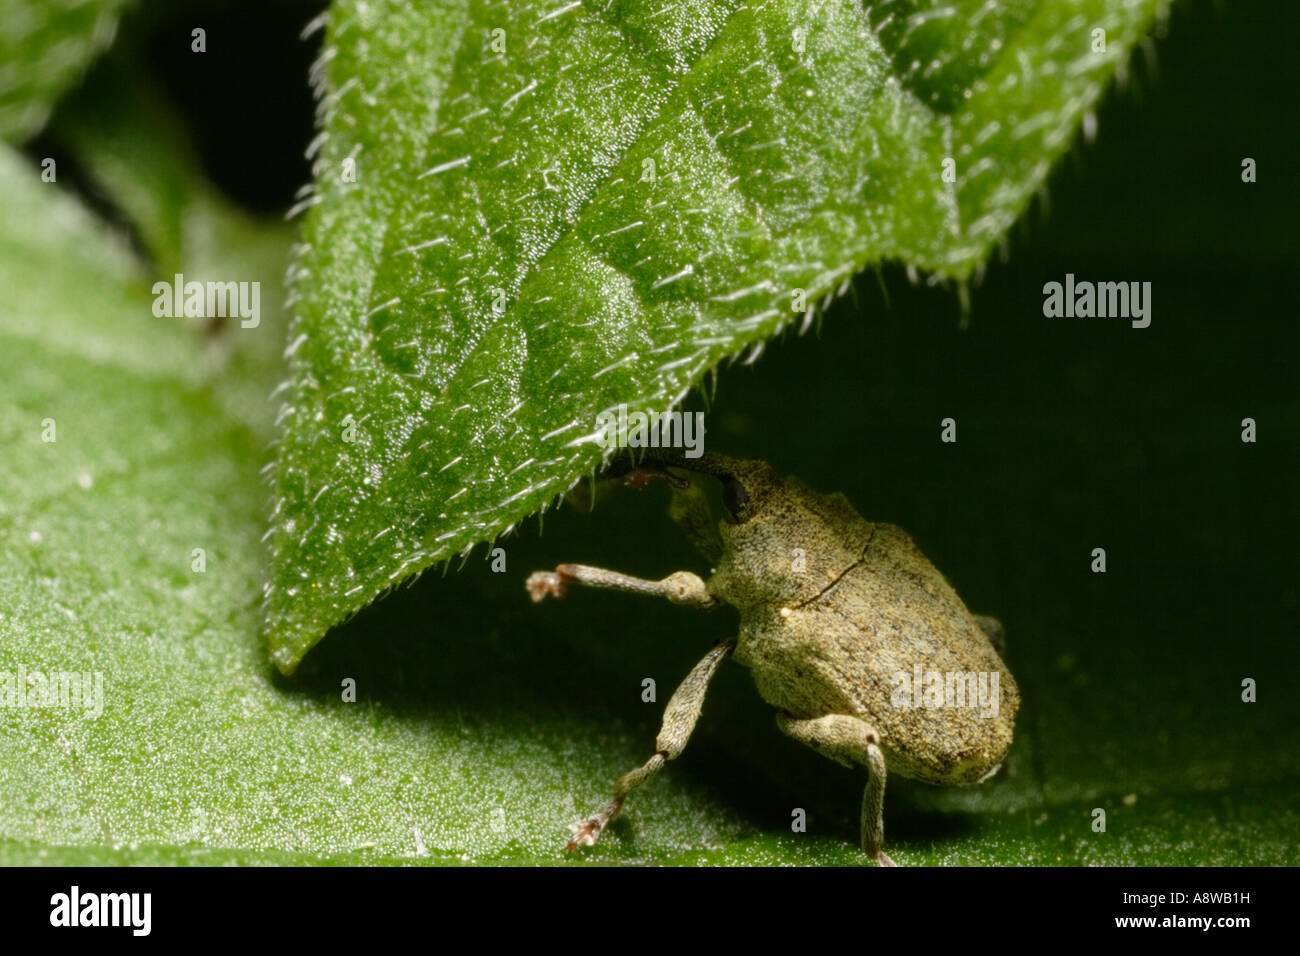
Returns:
(742, 481)
(708, 463)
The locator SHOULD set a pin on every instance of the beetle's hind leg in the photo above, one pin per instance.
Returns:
(680, 715)
(996, 633)
(850, 741)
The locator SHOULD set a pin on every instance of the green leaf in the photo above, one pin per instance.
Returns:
(560, 207)
(200, 755)
(45, 46)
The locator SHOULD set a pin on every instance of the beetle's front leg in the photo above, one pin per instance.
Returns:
(680, 587)
(850, 740)
(680, 715)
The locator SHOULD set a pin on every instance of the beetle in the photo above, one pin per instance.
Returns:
(838, 616)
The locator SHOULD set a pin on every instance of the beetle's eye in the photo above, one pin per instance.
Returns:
(736, 500)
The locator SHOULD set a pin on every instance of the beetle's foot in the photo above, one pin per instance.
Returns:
(542, 584)
(882, 859)
(587, 832)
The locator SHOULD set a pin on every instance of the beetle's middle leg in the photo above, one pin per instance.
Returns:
(850, 741)
(680, 715)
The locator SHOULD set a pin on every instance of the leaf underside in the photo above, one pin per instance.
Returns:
(595, 206)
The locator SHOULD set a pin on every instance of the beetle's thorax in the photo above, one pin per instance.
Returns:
(833, 608)
(795, 546)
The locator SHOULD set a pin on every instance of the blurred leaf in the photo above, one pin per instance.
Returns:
(45, 46)
(136, 151)
(528, 213)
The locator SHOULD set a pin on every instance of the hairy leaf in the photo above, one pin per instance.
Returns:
(562, 207)
(131, 510)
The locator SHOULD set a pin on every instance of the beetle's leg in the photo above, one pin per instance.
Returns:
(680, 587)
(997, 636)
(996, 633)
(680, 715)
(850, 741)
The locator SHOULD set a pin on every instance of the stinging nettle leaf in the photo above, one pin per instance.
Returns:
(525, 214)
(131, 513)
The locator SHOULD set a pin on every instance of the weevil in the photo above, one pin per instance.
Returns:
(838, 617)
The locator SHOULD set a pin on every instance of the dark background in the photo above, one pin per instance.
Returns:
(1072, 434)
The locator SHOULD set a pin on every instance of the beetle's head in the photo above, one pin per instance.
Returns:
(754, 571)
(753, 568)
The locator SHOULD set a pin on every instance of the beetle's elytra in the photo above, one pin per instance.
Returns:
(863, 648)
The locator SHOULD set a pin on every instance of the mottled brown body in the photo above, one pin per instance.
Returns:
(868, 606)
